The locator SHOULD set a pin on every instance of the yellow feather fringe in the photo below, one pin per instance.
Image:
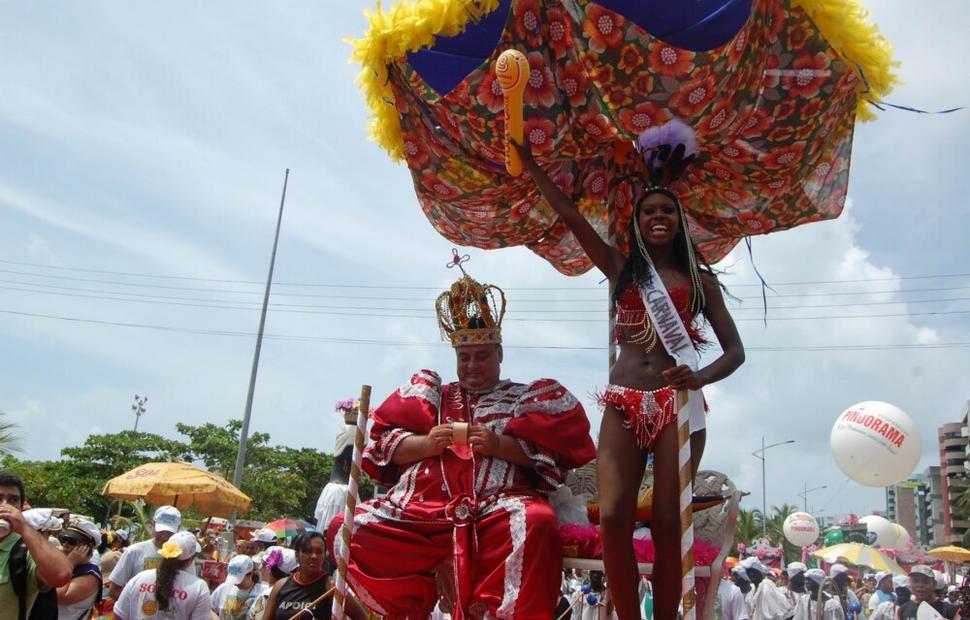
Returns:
(406, 27)
(412, 25)
(846, 27)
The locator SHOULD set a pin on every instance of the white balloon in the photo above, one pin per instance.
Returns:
(883, 529)
(801, 529)
(902, 537)
(875, 443)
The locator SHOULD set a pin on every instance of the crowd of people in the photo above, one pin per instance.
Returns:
(71, 569)
(756, 592)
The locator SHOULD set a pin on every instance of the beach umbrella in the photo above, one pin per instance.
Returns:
(772, 88)
(859, 555)
(288, 528)
(180, 485)
(950, 553)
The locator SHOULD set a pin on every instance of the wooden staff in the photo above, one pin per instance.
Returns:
(316, 602)
(353, 495)
(686, 510)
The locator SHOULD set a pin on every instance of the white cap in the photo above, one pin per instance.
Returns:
(121, 534)
(900, 581)
(239, 567)
(181, 545)
(282, 559)
(940, 579)
(85, 528)
(42, 519)
(754, 563)
(882, 575)
(167, 519)
(815, 574)
(740, 572)
(922, 569)
(795, 568)
(264, 535)
(951, 589)
(837, 569)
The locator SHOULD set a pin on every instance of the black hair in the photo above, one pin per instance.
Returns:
(635, 268)
(165, 580)
(277, 573)
(8, 479)
(301, 544)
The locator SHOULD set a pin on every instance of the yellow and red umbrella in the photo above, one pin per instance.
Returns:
(180, 485)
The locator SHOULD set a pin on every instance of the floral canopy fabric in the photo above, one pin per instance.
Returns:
(774, 109)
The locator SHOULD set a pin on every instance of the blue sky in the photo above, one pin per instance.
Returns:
(147, 138)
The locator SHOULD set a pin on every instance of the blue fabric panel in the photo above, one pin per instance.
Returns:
(695, 25)
(444, 65)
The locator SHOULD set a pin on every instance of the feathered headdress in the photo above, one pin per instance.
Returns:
(666, 151)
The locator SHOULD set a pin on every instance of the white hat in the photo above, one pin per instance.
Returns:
(740, 572)
(754, 563)
(239, 567)
(922, 569)
(282, 559)
(121, 534)
(42, 519)
(264, 535)
(167, 519)
(940, 579)
(86, 529)
(837, 569)
(900, 581)
(181, 545)
(952, 589)
(882, 575)
(815, 574)
(795, 568)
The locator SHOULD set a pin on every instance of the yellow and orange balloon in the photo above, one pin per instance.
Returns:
(512, 73)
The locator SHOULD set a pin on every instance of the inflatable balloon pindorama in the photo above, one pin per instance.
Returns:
(875, 444)
(801, 529)
(881, 531)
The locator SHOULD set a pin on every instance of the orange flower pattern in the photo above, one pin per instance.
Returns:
(773, 109)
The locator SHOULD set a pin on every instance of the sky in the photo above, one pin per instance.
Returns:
(142, 151)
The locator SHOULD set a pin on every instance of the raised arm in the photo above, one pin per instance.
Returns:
(606, 258)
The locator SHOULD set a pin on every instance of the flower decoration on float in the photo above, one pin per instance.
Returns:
(470, 313)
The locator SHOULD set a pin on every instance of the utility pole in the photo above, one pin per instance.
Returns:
(139, 408)
(804, 494)
(244, 431)
(760, 454)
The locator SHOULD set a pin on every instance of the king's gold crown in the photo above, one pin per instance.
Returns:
(470, 313)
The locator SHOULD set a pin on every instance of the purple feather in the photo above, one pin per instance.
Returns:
(671, 133)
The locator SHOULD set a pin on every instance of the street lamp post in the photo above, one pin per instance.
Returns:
(139, 408)
(804, 494)
(760, 454)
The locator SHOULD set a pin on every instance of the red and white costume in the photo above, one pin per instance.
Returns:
(483, 515)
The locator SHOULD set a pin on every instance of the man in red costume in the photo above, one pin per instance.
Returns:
(469, 462)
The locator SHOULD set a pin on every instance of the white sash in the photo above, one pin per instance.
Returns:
(672, 332)
(665, 319)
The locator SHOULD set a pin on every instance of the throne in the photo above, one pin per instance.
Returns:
(713, 525)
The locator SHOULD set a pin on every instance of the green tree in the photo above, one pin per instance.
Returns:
(102, 457)
(8, 435)
(748, 528)
(776, 529)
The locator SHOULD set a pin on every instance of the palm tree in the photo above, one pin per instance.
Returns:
(8, 435)
(776, 529)
(748, 528)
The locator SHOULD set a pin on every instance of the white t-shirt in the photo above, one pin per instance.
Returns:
(136, 558)
(231, 603)
(332, 501)
(806, 609)
(190, 599)
(731, 598)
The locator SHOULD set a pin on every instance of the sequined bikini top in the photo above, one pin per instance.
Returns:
(632, 317)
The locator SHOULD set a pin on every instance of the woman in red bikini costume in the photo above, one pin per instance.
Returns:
(640, 413)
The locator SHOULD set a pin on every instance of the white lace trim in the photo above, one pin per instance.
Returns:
(430, 393)
(514, 561)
